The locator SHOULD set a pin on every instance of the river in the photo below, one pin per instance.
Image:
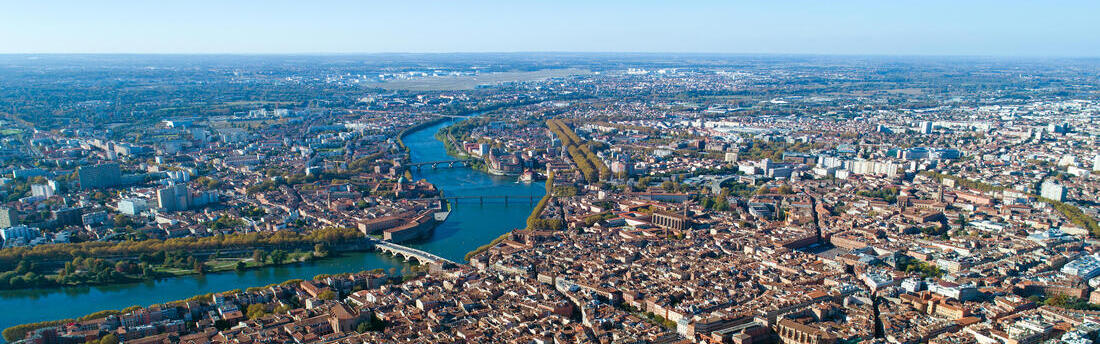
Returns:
(471, 224)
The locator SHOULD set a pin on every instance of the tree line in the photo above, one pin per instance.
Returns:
(535, 220)
(580, 151)
(9, 257)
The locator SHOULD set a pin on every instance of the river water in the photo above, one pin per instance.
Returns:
(471, 224)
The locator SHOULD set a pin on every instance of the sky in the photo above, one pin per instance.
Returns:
(1047, 28)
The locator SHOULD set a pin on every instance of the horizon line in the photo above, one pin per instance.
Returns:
(548, 52)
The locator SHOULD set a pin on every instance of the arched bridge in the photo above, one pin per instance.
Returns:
(482, 198)
(408, 253)
(437, 164)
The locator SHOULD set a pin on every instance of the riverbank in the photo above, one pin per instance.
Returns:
(125, 271)
(401, 135)
(20, 331)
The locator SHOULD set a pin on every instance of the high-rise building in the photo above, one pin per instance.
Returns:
(925, 127)
(54, 186)
(43, 190)
(1058, 128)
(174, 198)
(1052, 190)
(731, 157)
(99, 176)
(8, 218)
(1096, 163)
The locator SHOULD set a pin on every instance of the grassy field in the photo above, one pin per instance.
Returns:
(230, 264)
(449, 83)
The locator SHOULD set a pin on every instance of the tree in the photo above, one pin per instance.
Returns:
(200, 267)
(259, 256)
(320, 250)
(327, 295)
(241, 266)
(255, 311)
(373, 323)
(278, 256)
(110, 338)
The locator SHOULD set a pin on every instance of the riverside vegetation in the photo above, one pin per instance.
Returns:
(128, 261)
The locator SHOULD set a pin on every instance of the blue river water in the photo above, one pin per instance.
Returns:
(471, 224)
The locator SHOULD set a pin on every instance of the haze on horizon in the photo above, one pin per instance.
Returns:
(935, 27)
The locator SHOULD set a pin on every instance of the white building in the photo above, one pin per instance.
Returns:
(925, 127)
(17, 232)
(1085, 267)
(41, 190)
(132, 206)
(1052, 190)
(961, 292)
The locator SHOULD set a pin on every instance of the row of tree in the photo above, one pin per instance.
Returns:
(580, 151)
(535, 220)
(9, 257)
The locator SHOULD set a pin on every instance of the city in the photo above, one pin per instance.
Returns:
(586, 192)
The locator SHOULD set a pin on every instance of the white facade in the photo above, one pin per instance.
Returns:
(1052, 190)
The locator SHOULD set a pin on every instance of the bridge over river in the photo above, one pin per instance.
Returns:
(437, 164)
(531, 199)
(422, 257)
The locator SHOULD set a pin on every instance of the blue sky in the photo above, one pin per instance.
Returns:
(890, 27)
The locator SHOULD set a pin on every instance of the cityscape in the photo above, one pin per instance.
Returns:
(504, 196)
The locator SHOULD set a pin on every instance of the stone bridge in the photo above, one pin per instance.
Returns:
(408, 253)
(437, 164)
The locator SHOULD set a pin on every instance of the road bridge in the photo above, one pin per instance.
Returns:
(408, 253)
(437, 164)
(482, 198)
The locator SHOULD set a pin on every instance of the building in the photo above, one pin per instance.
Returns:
(41, 190)
(173, 198)
(888, 169)
(68, 216)
(1052, 190)
(27, 173)
(8, 218)
(1084, 268)
(132, 206)
(1058, 128)
(16, 232)
(790, 331)
(925, 127)
(99, 176)
(731, 157)
(961, 292)
(671, 221)
(761, 210)
(94, 218)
